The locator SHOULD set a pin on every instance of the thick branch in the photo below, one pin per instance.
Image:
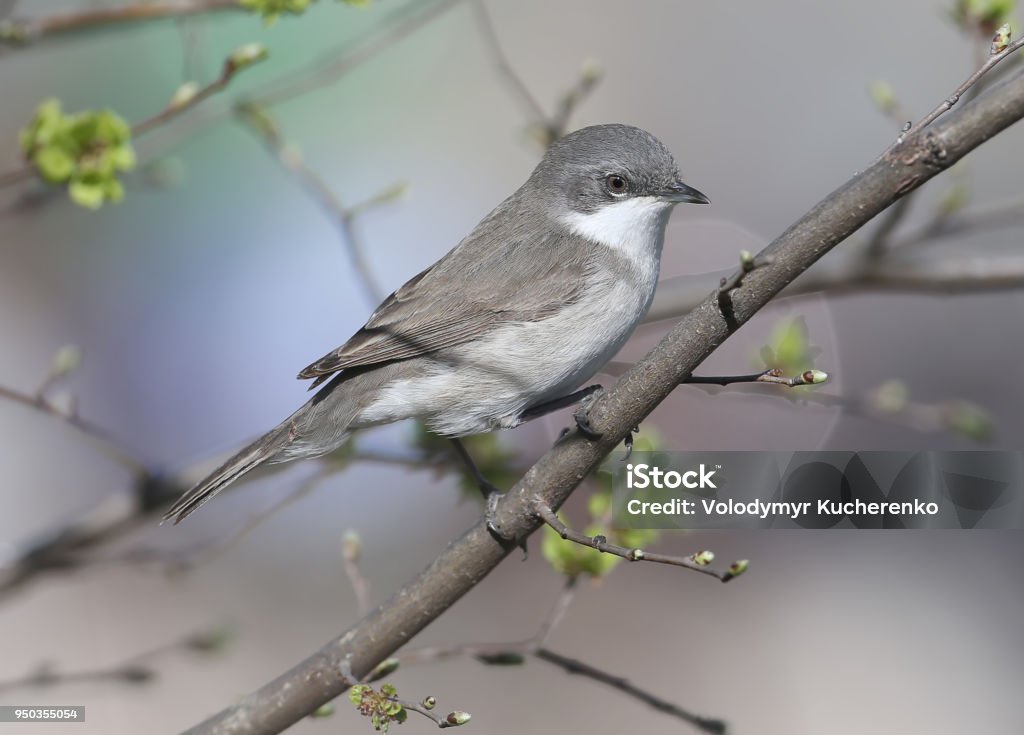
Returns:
(318, 679)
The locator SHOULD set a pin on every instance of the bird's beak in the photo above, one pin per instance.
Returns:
(679, 193)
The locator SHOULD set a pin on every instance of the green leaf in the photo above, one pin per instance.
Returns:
(54, 164)
(355, 694)
(86, 194)
(324, 710)
(113, 190)
(123, 157)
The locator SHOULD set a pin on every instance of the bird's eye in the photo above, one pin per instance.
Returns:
(616, 184)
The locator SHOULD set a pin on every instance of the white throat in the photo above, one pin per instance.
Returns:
(634, 227)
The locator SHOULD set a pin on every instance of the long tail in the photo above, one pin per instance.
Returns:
(259, 452)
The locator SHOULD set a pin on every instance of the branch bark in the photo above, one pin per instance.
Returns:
(900, 170)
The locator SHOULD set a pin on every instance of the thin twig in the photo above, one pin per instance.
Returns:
(260, 122)
(232, 65)
(621, 684)
(20, 32)
(947, 104)
(513, 652)
(544, 511)
(137, 669)
(442, 721)
(532, 108)
(107, 443)
(888, 222)
(557, 612)
(850, 275)
(229, 69)
(352, 550)
(774, 376)
(548, 128)
(327, 70)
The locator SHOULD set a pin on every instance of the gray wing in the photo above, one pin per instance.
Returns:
(499, 274)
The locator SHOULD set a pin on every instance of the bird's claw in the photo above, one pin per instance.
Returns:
(628, 441)
(583, 425)
(494, 528)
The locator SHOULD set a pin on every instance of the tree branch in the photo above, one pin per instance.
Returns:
(291, 158)
(852, 274)
(318, 679)
(20, 32)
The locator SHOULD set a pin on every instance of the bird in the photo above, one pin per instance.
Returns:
(508, 324)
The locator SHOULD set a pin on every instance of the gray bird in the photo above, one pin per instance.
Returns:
(509, 324)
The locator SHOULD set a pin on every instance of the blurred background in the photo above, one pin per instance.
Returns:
(194, 302)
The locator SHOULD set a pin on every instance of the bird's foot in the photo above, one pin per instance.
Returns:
(582, 416)
(493, 527)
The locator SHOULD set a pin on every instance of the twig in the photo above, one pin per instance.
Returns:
(548, 128)
(19, 32)
(101, 437)
(601, 543)
(216, 550)
(135, 670)
(850, 274)
(774, 376)
(328, 69)
(261, 123)
(888, 222)
(947, 104)
(533, 109)
(232, 65)
(512, 652)
(240, 59)
(442, 721)
(619, 683)
(351, 552)
(71, 547)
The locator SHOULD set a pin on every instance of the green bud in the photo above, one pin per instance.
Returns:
(891, 396)
(703, 558)
(738, 567)
(324, 710)
(428, 703)
(1000, 40)
(814, 377)
(384, 668)
(11, 32)
(351, 546)
(247, 55)
(214, 640)
(502, 658)
(457, 718)
(884, 96)
(591, 72)
(184, 94)
(971, 420)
